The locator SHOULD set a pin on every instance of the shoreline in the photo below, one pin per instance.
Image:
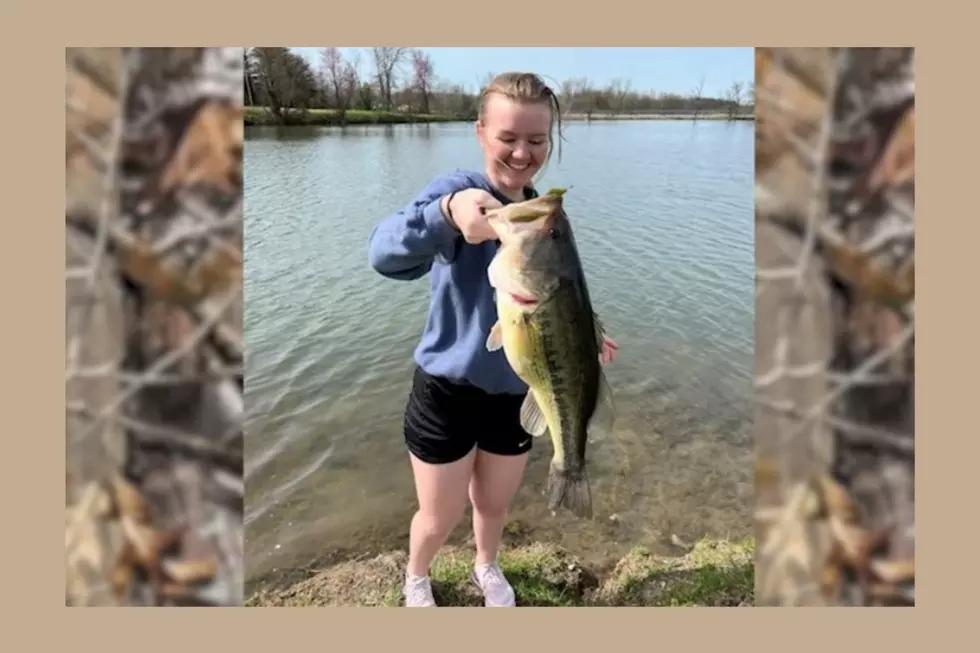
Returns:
(712, 572)
(260, 117)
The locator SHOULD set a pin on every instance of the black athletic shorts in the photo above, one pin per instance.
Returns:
(445, 420)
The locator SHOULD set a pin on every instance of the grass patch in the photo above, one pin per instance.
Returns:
(712, 573)
(541, 575)
(374, 582)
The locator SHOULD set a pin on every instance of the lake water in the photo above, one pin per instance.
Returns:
(663, 218)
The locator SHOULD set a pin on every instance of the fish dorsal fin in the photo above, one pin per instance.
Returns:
(532, 419)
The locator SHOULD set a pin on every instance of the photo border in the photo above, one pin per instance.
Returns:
(36, 95)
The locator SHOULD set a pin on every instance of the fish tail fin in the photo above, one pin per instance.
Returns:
(571, 490)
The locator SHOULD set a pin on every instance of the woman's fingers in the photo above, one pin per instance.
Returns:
(609, 349)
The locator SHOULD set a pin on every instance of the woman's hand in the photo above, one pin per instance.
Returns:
(466, 212)
(609, 349)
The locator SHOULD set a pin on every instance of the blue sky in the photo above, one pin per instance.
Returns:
(664, 70)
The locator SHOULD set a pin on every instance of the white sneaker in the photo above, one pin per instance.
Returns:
(418, 592)
(497, 592)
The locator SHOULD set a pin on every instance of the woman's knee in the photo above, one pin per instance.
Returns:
(438, 521)
(495, 481)
(486, 502)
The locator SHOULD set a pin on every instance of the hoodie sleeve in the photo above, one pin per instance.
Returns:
(405, 244)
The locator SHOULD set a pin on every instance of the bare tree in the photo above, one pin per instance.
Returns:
(363, 92)
(422, 76)
(578, 94)
(340, 78)
(354, 71)
(696, 96)
(350, 82)
(734, 99)
(386, 63)
(620, 90)
(355, 61)
(568, 93)
(588, 94)
(249, 64)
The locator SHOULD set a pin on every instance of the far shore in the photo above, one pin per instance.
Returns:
(260, 116)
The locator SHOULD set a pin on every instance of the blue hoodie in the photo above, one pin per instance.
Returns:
(418, 240)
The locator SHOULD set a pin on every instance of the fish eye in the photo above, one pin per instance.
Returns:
(554, 233)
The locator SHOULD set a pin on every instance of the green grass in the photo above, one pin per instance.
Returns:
(323, 117)
(541, 576)
(712, 573)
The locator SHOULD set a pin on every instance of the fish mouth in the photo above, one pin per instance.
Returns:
(522, 300)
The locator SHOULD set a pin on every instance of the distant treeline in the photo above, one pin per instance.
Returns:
(403, 80)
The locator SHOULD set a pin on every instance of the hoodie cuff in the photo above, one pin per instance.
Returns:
(436, 224)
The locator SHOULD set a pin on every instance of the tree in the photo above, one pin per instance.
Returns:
(250, 75)
(422, 76)
(587, 95)
(340, 78)
(620, 90)
(386, 63)
(286, 79)
(569, 93)
(734, 99)
(696, 96)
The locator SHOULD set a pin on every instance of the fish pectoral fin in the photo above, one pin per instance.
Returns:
(600, 331)
(494, 339)
(605, 411)
(532, 419)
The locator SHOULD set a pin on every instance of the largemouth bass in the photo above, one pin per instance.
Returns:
(551, 338)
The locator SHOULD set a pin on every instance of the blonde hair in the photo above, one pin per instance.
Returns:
(525, 88)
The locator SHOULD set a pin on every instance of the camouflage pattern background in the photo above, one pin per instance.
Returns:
(835, 326)
(153, 252)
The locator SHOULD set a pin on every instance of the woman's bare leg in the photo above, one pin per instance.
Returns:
(441, 491)
(494, 483)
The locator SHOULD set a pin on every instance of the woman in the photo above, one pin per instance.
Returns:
(462, 421)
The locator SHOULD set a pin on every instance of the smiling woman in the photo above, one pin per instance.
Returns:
(517, 119)
(463, 419)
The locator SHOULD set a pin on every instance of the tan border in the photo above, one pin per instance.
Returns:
(34, 103)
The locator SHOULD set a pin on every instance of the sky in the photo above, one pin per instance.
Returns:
(663, 70)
